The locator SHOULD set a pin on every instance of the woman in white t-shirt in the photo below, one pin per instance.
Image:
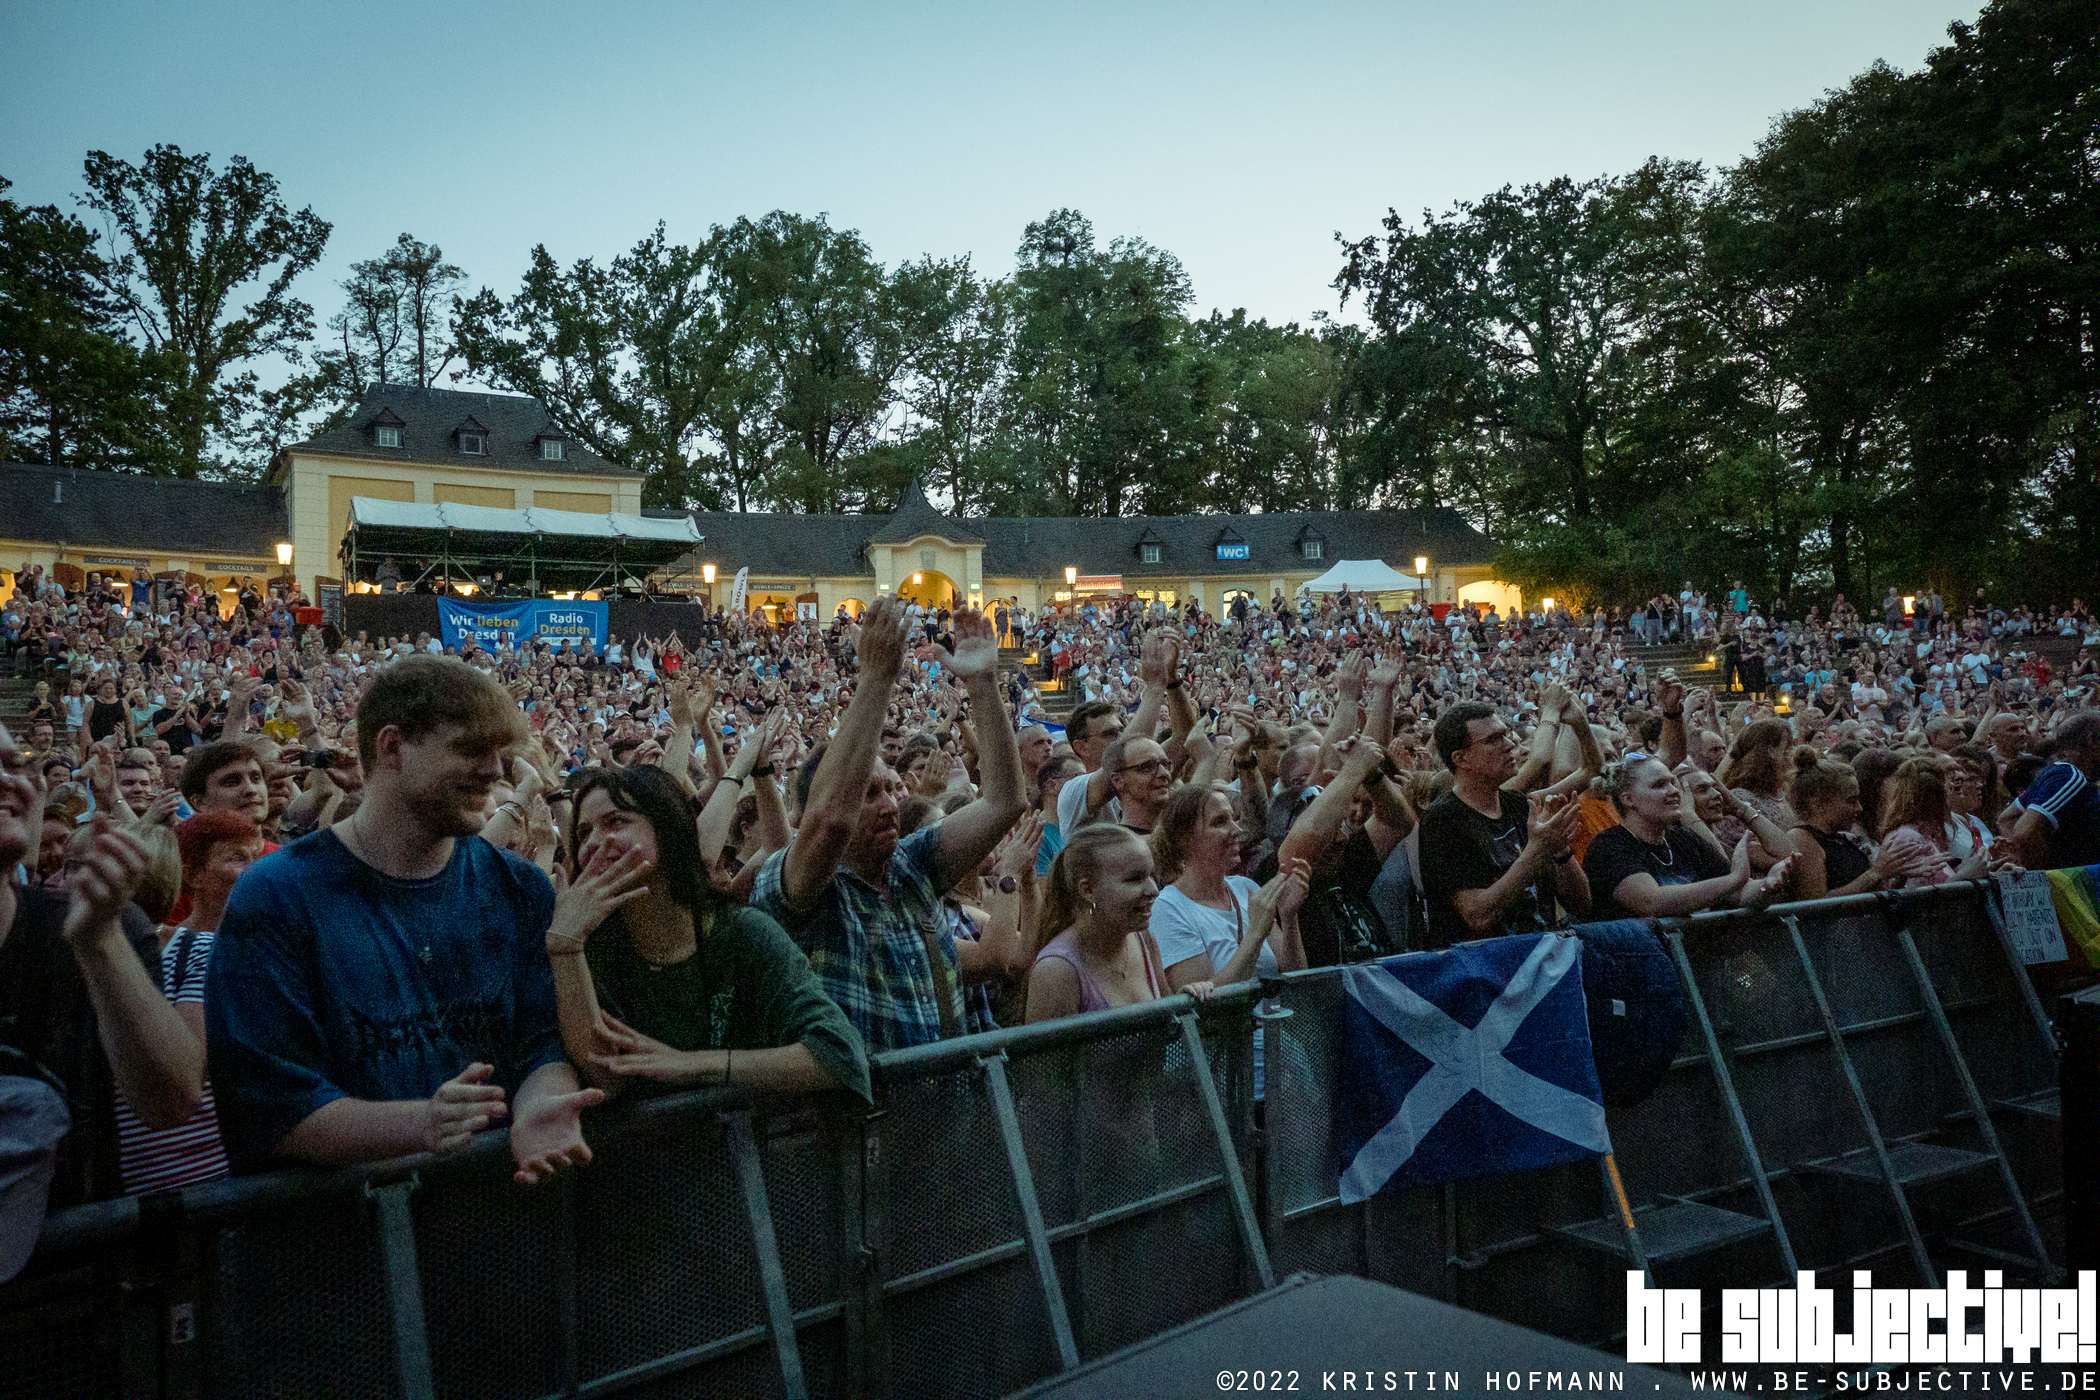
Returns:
(1211, 925)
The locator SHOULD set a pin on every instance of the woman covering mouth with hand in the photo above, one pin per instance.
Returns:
(660, 980)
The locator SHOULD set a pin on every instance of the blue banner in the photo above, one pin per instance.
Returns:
(501, 626)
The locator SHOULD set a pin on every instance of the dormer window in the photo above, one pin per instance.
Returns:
(472, 436)
(1148, 552)
(553, 450)
(1311, 548)
(386, 429)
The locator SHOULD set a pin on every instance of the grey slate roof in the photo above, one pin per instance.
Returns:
(918, 516)
(1040, 546)
(429, 418)
(79, 508)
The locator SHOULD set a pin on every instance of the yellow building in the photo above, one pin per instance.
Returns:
(402, 444)
(823, 562)
(446, 446)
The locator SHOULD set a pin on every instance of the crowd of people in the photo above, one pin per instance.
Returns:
(278, 895)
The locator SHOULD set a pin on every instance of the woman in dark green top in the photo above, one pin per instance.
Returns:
(659, 979)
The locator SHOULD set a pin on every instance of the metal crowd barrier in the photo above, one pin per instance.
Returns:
(1863, 1082)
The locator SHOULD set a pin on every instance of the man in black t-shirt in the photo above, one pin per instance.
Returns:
(1493, 861)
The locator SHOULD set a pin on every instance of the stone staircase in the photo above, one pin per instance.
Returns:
(1057, 699)
(1694, 662)
(16, 693)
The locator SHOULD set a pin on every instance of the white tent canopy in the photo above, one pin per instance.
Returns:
(1361, 576)
(533, 520)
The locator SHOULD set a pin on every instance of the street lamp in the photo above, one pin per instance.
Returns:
(1422, 573)
(1071, 575)
(707, 576)
(284, 563)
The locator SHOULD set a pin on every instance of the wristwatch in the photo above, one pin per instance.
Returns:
(1008, 884)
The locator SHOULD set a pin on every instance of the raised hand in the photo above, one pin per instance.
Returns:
(1552, 824)
(298, 704)
(1285, 890)
(1669, 694)
(1739, 862)
(938, 773)
(976, 646)
(1358, 755)
(1386, 675)
(1155, 659)
(463, 1106)
(881, 642)
(1016, 853)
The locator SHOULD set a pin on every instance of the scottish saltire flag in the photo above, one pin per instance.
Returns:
(1468, 1062)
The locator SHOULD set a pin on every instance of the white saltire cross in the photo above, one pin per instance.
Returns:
(1468, 1059)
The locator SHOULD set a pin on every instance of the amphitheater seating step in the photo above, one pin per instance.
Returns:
(1915, 1163)
(1679, 1229)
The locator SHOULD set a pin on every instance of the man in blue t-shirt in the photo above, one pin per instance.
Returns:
(2059, 822)
(379, 988)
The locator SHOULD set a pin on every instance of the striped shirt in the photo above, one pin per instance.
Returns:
(160, 1159)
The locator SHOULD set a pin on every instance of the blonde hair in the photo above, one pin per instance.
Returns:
(1079, 860)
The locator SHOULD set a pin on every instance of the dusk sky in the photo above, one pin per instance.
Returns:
(1240, 137)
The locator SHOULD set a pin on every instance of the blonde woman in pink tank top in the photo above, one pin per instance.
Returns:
(1098, 953)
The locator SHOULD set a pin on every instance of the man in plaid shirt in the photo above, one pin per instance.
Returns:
(866, 906)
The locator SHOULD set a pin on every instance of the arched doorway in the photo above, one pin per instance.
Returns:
(929, 588)
(854, 607)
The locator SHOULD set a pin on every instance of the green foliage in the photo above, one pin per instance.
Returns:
(185, 242)
(73, 390)
(1863, 355)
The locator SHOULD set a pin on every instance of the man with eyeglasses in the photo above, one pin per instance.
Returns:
(1142, 776)
(1493, 860)
(1097, 725)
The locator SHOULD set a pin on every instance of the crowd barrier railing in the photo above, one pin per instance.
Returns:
(1863, 1082)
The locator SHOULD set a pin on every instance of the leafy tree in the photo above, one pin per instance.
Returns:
(394, 325)
(186, 241)
(625, 356)
(958, 343)
(1107, 404)
(826, 323)
(72, 389)
(1513, 313)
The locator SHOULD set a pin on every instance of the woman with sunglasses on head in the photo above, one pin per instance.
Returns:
(660, 980)
(1651, 866)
